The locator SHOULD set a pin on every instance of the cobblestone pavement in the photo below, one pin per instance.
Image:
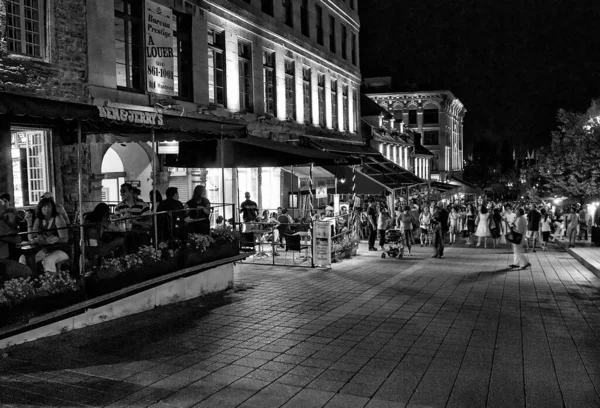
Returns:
(462, 331)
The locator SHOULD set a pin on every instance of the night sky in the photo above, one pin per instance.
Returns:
(512, 63)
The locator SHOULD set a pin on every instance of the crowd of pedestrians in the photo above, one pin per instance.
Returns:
(438, 224)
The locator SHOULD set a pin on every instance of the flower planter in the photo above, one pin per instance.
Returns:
(192, 258)
(39, 305)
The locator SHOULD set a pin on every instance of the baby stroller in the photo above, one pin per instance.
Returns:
(395, 239)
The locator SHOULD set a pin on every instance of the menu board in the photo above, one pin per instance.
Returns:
(322, 243)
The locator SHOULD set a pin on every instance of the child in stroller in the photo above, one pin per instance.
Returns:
(395, 241)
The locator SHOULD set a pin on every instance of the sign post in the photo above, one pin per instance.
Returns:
(159, 49)
(322, 243)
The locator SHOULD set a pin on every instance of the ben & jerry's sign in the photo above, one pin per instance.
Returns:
(131, 116)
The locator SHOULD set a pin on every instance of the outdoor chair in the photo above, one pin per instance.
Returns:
(247, 242)
(294, 243)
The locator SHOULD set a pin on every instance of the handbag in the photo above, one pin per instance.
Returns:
(514, 237)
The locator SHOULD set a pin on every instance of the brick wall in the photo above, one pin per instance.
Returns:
(61, 74)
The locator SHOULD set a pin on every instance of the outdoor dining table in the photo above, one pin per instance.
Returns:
(29, 249)
(260, 233)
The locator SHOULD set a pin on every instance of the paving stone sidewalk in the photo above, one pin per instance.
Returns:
(461, 331)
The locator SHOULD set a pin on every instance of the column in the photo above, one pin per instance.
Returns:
(396, 154)
(388, 153)
(407, 164)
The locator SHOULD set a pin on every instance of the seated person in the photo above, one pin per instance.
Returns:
(284, 220)
(171, 225)
(59, 208)
(133, 207)
(51, 227)
(98, 242)
(9, 269)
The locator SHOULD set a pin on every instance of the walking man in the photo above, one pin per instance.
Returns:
(440, 225)
(533, 225)
(372, 224)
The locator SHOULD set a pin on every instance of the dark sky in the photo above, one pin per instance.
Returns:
(512, 63)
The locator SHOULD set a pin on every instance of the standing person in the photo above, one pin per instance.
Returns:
(454, 221)
(406, 220)
(415, 212)
(470, 224)
(440, 226)
(533, 226)
(583, 225)
(545, 229)
(372, 224)
(496, 227)
(249, 210)
(572, 220)
(199, 216)
(425, 225)
(483, 228)
(520, 257)
(383, 223)
(171, 224)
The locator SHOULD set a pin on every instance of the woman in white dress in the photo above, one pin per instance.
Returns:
(483, 228)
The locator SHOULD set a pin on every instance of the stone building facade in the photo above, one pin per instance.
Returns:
(438, 116)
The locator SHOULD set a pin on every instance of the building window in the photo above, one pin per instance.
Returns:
(289, 12)
(430, 116)
(345, 107)
(245, 72)
(304, 26)
(267, 7)
(129, 36)
(183, 63)
(30, 165)
(319, 13)
(25, 27)
(353, 52)
(334, 105)
(269, 78)
(216, 67)
(332, 34)
(344, 42)
(412, 117)
(290, 89)
(321, 90)
(307, 94)
(352, 4)
(355, 111)
(431, 137)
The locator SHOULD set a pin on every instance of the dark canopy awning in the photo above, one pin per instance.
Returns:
(251, 152)
(443, 187)
(388, 173)
(336, 147)
(94, 122)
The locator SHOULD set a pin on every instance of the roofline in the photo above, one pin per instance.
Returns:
(442, 91)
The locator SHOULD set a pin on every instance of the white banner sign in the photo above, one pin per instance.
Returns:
(322, 243)
(159, 49)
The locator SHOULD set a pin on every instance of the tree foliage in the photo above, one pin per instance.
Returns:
(571, 164)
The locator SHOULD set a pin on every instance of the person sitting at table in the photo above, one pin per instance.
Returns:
(9, 268)
(59, 208)
(133, 207)
(171, 224)
(198, 218)
(98, 241)
(48, 229)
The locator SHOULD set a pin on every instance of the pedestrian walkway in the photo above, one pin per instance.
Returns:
(586, 253)
(462, 331)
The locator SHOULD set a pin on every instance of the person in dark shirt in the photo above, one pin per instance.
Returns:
(372, 224)
(171, 225)
(249, 209)
(533, 226)
(199, 213)
(439, 222)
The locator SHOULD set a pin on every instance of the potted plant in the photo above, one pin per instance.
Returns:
(194, 248)
(226, 241)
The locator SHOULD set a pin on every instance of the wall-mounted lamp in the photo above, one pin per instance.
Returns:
(342, 180)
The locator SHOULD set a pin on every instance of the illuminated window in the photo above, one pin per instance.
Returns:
(269, 78)
(355, 111)
(319, 13)
(304, 18)
(245, 74)
(345, 107)
(307, 94)
(430, 116)
(289, 12)
(129, 44)
(24, 30)
(267, 7)
(332, 44)
(344, 42)
(412, 117)
(30, 164)
(216, 67)
(321, 90)
(290, 89)
(334, 105)
(431, 137)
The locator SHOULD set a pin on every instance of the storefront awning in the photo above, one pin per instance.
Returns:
(118, 124)
(343, 148)
(465, 186)
(443, 187)
(251, 152)
(388, 174)
(304, 172)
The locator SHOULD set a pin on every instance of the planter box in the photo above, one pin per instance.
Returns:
(38, 306)
(220, 251)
